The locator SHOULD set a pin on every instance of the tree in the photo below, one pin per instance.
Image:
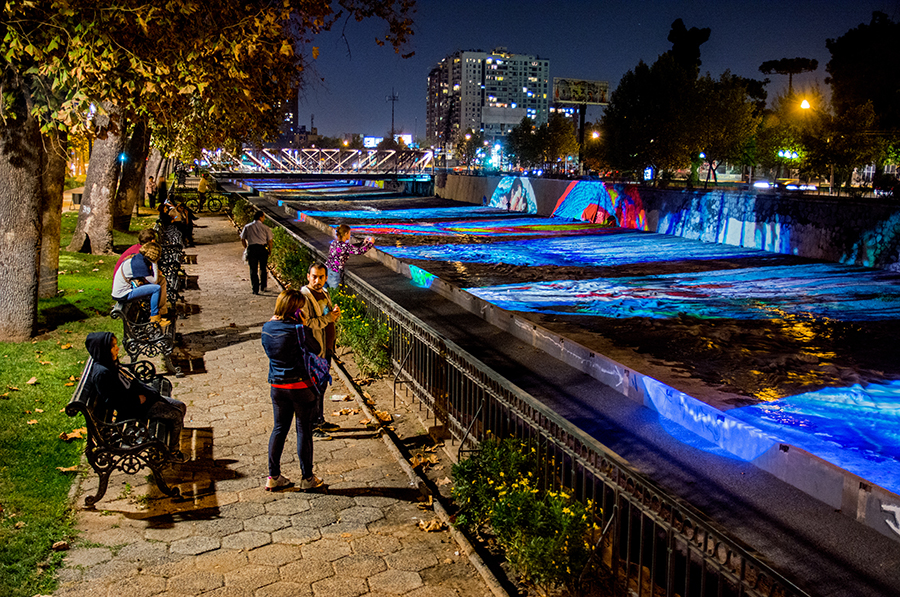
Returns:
(789, 67)
(467, 147)
(200, 73)
(520, 145)
(556, 140)
(726, 118)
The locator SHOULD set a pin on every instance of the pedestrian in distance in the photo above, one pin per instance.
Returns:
(202, 189)
(151, 191)
(339, 251)
(129, 397)
(320, 315)
(257, 239)
(297, 376)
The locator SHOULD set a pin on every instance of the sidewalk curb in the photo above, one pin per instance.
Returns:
(465, 545)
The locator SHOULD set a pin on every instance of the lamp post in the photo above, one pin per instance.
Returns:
(805, 105)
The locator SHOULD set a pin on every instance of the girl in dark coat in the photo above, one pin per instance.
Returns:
(129, 397)
(290, 346)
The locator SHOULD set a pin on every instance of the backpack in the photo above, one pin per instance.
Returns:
(317, 367)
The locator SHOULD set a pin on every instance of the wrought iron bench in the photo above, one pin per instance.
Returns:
(127, 445)
(170, 262)
(140, 336)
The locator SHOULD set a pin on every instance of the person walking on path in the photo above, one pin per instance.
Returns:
(320, 315)
(288, 344)
(139, 277)
(151, 191)
(202, 189)
(257, 239)
(339, 251)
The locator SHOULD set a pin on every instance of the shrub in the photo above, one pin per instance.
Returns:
(289, 259)
(546, 535)
(366, 337)
(242, 212)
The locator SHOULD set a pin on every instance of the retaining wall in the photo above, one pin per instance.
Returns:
(836, 229)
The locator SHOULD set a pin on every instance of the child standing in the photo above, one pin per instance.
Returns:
(338, 253)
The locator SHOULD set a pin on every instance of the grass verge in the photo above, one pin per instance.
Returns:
(37, 379)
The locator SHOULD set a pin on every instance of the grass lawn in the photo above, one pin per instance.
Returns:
(37, 379)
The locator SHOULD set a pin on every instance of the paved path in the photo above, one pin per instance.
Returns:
(229, 536)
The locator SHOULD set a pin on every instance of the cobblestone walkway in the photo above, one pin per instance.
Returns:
(229, 537)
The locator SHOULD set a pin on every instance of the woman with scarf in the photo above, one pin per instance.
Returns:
(292, 351)
(129, 397)
(138, 277)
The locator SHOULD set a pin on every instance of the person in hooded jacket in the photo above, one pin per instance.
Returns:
(129, 397)
(287, 341)
(138, 277)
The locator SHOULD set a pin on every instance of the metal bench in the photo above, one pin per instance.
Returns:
(127, 445)
(140, 336)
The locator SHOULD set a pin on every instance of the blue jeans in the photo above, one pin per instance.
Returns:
(151, 290)
(320, 409)
(286, 404)
(335, 279)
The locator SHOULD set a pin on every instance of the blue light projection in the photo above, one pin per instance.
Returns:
(824, 290)
(609, 247)
(487, 228)
(420, 277)
(855, 428)
(423, 214)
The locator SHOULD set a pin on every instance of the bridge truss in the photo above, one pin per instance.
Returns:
(324, 161)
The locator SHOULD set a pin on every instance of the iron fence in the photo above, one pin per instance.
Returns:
(654, 543)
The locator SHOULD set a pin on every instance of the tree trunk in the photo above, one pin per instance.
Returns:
(51, 213)
(132, 184)
(153, 165)
(21, 170)
(94, 231)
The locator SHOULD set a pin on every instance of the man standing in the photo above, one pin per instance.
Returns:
(257, 239)
(320, 315)
(151, 191)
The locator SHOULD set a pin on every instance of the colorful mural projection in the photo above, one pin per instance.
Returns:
(486, 228)
(420, 214)
(592, 201)
(855, 428)
(812, 291)
(514, 193)
(420, 277)
(607, 247)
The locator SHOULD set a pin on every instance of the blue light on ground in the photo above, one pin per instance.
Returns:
(414, 214)
(855, 428)
(816, 290)
(616, 247)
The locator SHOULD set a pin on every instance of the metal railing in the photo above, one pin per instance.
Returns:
(654, 543)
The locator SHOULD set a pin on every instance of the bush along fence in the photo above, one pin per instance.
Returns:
(356, 329)
(549, 538)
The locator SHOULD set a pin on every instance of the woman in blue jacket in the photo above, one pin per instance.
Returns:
(294, 378)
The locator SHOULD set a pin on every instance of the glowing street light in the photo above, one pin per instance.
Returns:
(805, 105)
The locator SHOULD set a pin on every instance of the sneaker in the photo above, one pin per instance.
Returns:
(311, 483)
(319, 434)
(326, 426)
(279, 482)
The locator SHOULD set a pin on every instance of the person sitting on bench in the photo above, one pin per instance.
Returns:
(139, 276)
(129, 397)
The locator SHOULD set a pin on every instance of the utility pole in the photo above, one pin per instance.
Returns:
(393, 98)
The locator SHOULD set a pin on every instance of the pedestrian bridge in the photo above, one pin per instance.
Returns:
(323, 161)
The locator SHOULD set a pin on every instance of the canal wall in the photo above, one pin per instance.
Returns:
(838, 229)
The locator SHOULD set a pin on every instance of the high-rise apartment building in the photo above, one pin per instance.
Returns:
(485, 91)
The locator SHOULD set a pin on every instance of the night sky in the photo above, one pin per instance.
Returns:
(347, 90)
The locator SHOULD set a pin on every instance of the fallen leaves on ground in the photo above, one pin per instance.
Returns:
(66, 346)
(68, 469)
(60, 546)
(31, 381)
(431, 526)
(444, 481)
(423, 460)
(74, 434)
(12, 388)
(428, 504)
(384, 417)
(32, 422)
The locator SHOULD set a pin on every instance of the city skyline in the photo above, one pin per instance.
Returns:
(586, 40)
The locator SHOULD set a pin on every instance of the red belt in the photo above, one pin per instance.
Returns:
(297, 385)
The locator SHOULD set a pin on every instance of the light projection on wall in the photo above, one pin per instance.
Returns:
(419, 214)
(420, 277)
(607, 247)
(817, 291)
(593, 201)
(486, 228)
(514, 193)
(855, 428)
